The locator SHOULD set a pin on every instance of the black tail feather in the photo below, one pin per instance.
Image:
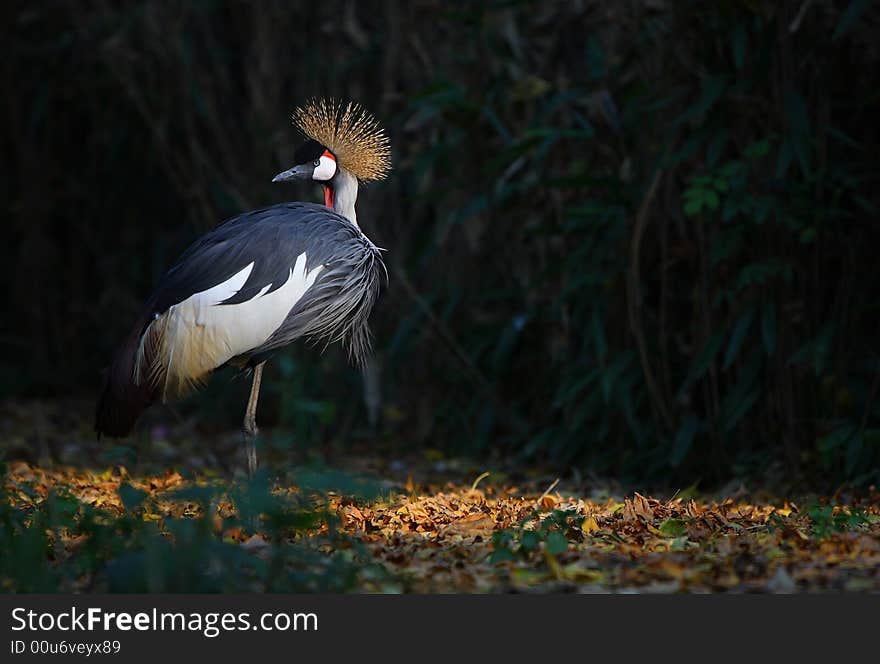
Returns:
(122, 401)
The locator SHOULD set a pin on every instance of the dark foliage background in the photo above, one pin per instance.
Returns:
(637, 237)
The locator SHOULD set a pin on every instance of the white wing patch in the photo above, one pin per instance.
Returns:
(222, 291)
(198, 335)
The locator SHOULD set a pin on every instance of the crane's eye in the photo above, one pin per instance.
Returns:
(316, 163)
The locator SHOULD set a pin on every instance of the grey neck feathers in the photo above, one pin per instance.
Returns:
(345, 193)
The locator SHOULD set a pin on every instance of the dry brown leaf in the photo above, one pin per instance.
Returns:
(470, 526)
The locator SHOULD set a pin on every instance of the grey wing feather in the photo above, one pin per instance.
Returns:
(338, 305)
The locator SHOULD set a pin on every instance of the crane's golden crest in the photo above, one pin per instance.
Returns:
(350, 133)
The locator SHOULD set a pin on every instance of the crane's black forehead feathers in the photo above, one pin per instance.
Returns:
(308, 151)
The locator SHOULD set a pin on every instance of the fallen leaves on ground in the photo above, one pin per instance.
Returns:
(499, 537)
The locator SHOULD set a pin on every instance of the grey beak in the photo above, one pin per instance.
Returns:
(296, 173)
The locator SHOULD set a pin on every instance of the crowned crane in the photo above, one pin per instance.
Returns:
(261, 280)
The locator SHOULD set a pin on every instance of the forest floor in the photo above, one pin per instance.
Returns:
(182, 520)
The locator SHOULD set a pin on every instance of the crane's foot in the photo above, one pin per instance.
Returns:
(250, 421)
(250, 447)
(250, 441)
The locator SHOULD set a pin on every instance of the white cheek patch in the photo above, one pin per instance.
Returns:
(325, 170)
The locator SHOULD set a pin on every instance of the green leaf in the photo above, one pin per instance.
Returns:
(784, 158)
(716, 148)
(738, 410)
(131, 497)
(596, 59)
(768, 327)
(844, 138)
(737, 337)
(684, 440)
(570, 391)
(836, 438)
(796, 112)
(529, 540)
(798, 116)
(63, 505)
(693, 207)
(599, 334)
(743, 396)
(195, 494)
(501, 555)
(711, 198)
(556, 543)
(760, 273)
(823, 346)
(726, 244)
(672, 527)
(327, 479)
(490, 114)
(758, 149)
(704, 359)
(740, 45)
(849, 18)
(853, 452)
(711, 92)
(612, 373)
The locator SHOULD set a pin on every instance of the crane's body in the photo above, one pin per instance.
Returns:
(256, 283)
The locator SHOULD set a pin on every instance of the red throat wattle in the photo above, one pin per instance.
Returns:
(328, 192)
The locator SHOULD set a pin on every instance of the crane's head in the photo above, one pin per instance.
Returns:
(313, 162)
(338, 138)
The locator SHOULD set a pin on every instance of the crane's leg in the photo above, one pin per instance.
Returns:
(250, 420)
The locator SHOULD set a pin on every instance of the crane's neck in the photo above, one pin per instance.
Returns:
(341, 194)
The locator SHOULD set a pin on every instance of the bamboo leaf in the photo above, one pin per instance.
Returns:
(740, 46)
(737, 337)
(768, 327)
(853, 452)
(704, 359)
(849, 18)
(684, 440)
